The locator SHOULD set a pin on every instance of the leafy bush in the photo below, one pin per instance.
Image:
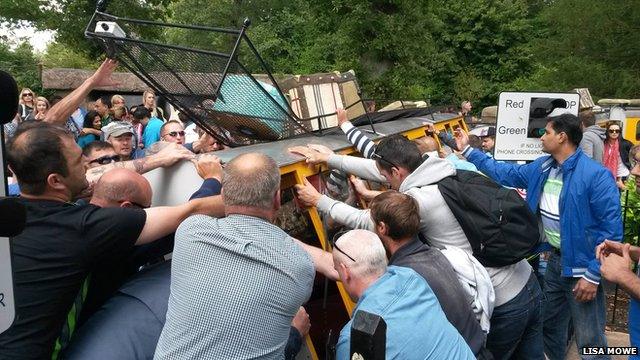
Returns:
(630, 200)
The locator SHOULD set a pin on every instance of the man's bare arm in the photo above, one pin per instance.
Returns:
(164, 220)
(322, 260)
(60, 112)
(631, 284)
(168, 156)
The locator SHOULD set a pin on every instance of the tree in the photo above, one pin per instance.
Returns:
(595, 47)
(70, 17)
(23, 65)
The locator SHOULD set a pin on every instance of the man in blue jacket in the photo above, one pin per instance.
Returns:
(579, 206)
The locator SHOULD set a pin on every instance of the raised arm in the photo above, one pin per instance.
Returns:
(60, 112)
(506, 174)
(363, 144)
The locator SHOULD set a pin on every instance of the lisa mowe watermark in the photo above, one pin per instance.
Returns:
(613, 350)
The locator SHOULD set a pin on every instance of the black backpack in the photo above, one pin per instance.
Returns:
(500, 226)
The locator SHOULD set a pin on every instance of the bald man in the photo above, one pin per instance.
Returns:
(126, 188)
(241, 304)
(122, 188)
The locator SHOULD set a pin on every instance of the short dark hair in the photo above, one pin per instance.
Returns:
(400, 212)
(88, 119)
(475, 141)
(106, 100)
(141, 112)
(587, 117)
(96, 146)
(35, 152)
(397, 150)
(169, 122)
(568, 124)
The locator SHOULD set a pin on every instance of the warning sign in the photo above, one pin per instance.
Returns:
(521, 119)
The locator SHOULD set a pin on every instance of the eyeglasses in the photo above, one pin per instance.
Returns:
(104, 160)
(27, 94)
(614, 131)
(176, 133)
(376, 156)
(333, 244)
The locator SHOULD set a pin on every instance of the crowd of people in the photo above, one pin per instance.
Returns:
(101, 273)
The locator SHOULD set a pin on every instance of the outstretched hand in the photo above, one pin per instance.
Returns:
(102, 76)
(430, 128)
(312, 155)
(612, 247)
(342, 116)
(615, 267)
(307, 194)
(172, 153)
(209, 166)
(462, 138)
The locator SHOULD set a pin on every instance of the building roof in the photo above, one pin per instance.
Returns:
(71, 79)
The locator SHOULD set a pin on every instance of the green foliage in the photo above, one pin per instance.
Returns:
(595, 47)
(22, 64)
(630, 201)
(443, 50)
(62, 56)
(70, 17)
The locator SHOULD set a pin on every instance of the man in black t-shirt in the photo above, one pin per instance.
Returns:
(62, 241)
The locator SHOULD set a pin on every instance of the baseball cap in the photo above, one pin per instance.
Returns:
(488, 131)
(117, 128)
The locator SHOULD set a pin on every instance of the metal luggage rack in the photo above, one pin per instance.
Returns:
(214, 88)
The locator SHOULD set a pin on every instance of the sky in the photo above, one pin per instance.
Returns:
(38, 39)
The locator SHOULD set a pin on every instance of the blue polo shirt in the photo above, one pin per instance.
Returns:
(416, 325)
(151, 132)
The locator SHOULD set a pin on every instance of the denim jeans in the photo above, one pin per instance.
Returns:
(516, 326)
(588, 318)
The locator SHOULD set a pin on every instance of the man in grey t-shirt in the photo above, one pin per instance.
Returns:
(236, 282)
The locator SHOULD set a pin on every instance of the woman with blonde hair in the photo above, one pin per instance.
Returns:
(149, 101)
(41, 108)
(27, 103)
(118, 100)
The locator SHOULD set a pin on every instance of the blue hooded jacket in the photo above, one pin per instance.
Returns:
(589, 203)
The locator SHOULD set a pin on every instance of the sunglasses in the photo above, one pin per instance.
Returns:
(104, 160)
(140, 206)
(176, 133)
(376, 156)
(614, 131)
(27, 94)
(333, 244)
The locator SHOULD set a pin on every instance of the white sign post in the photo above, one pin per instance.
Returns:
(521, 120)
(7, 308)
